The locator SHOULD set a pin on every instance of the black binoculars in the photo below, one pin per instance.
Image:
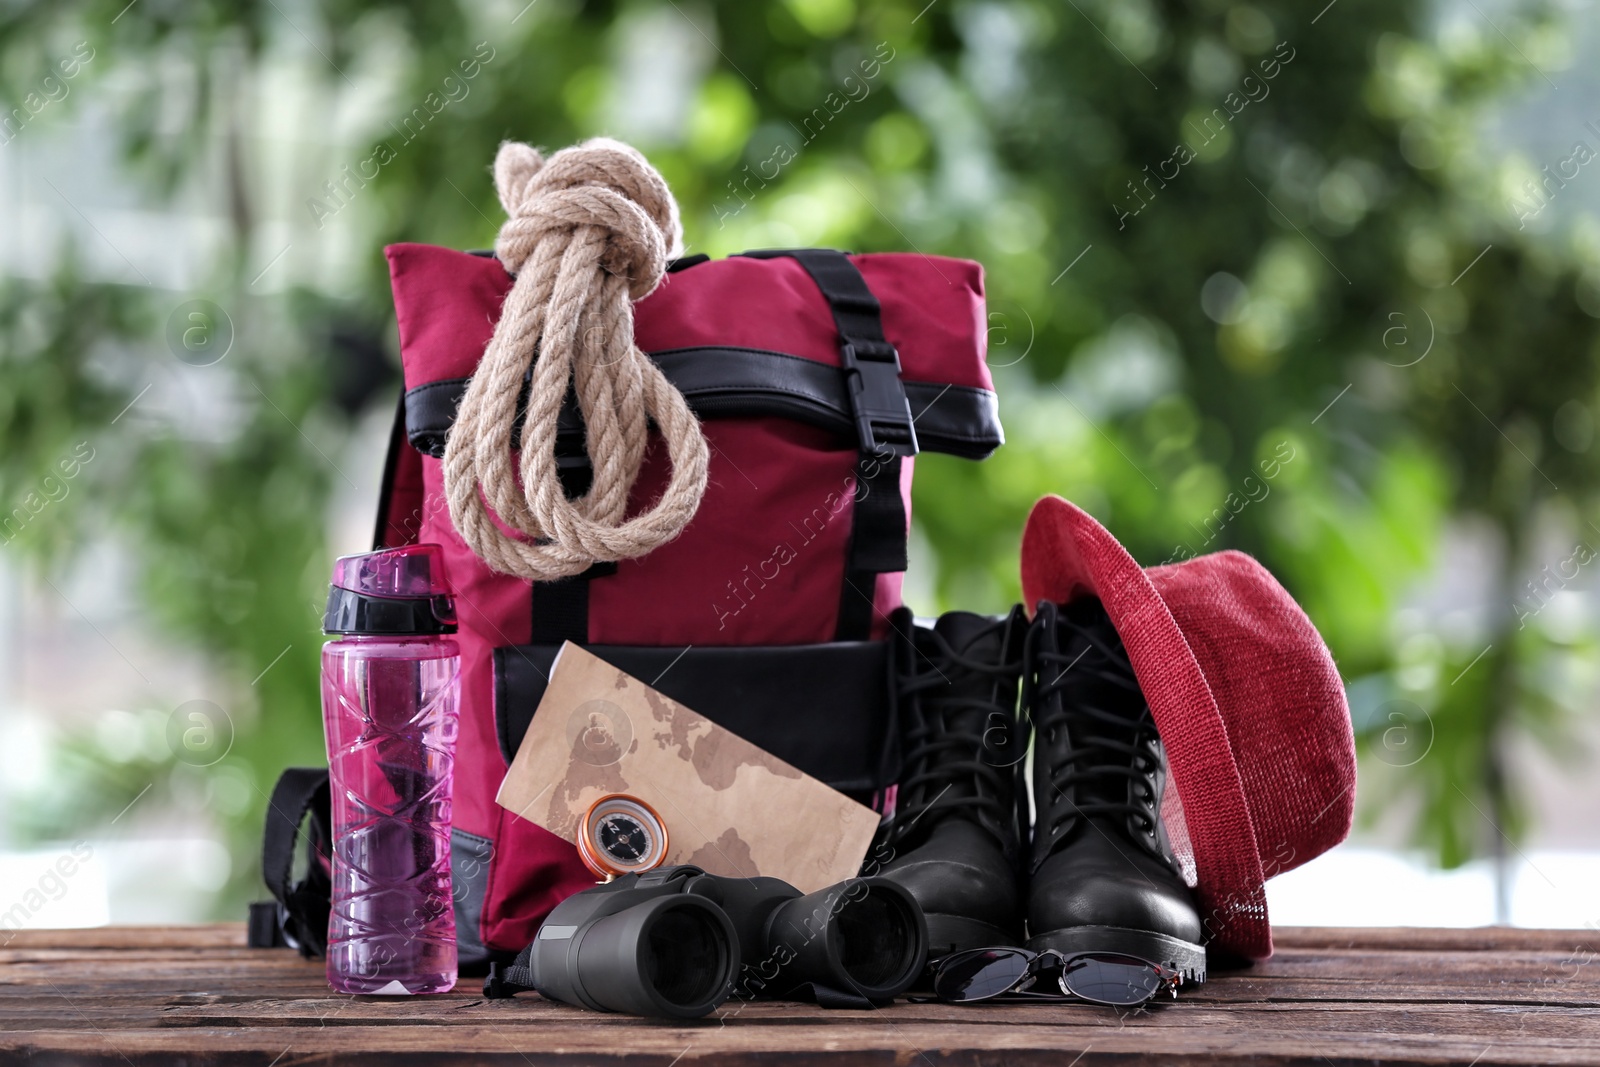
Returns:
(677, 942)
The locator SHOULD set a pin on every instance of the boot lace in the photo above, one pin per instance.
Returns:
(1114, 749)
(949, 761)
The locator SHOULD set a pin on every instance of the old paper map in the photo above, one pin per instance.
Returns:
(730, 807)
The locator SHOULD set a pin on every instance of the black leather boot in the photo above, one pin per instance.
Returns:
(955, 839)
(1103, 874)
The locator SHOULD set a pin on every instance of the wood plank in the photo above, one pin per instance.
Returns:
(1202, 1038)
(1542, 978)
(160, 995)
(199, 935)
(1428, 939)
(1479, 938)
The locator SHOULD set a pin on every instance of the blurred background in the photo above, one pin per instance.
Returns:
(1316, 282)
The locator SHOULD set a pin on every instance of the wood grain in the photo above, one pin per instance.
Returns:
(197, 996)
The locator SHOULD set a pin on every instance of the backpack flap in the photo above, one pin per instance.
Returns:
(798, 362)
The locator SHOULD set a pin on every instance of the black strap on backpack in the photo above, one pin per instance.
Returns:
(297, 916)
(885, 429)
(561, 607)
(871, 364)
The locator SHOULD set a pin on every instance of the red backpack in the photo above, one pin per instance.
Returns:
(817, 377)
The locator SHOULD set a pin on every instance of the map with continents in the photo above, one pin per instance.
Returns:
(729, 807)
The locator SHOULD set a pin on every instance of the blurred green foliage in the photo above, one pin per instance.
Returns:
(1254, 282)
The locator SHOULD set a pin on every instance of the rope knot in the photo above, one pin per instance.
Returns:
(590, 230)
(604, 185)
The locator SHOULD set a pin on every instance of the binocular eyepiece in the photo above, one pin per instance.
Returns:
(676, 942)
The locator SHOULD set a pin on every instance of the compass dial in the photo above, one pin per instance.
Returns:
(621, 834)
(623, 838)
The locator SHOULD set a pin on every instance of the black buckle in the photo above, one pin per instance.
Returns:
(878, 398)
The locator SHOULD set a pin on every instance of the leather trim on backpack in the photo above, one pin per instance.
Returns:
(826, 709)
(728, 383)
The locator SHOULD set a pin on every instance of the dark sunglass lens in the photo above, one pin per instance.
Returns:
(1109, 979)
(979, 974)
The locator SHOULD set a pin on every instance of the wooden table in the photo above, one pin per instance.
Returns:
(196, 995)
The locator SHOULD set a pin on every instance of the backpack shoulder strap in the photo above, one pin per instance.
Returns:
(301, 921)
(401, 497)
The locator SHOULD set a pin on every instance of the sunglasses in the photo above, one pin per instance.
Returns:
(1018, 974)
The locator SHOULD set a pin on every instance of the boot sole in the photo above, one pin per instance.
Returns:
(1183, 956)
(956, 933)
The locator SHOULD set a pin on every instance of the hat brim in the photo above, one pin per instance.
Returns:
(1066, 554)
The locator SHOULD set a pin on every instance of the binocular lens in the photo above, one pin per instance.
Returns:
(673, 956)
(874, 935)
(865, 936)
(686, 957)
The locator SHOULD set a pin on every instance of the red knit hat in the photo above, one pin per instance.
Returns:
(1250, 708)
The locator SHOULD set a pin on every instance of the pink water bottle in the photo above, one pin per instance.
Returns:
(391, 686)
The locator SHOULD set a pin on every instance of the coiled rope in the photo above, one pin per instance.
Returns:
(590, 230)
